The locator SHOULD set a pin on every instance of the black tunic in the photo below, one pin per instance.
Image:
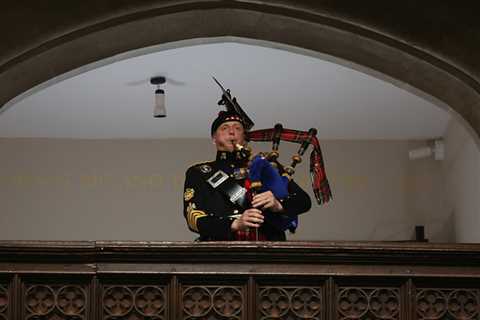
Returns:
(208, 211)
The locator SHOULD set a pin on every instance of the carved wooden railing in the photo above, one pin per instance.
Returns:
(238, 280)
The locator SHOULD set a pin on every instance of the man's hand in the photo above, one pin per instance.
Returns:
(250, 218)
(266, 200)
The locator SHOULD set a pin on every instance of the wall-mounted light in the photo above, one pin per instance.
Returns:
(437, 149)
(159, 110)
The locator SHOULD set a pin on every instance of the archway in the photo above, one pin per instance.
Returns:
(384, 44)
(317, 27)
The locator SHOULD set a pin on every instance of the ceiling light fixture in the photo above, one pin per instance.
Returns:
(159, 110)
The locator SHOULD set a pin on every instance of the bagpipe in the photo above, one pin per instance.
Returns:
(266, 173)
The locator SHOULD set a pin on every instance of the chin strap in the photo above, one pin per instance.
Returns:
(320, 185)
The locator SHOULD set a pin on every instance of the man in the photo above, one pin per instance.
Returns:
(212, 214)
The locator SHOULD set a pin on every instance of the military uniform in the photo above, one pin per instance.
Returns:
(208, 211)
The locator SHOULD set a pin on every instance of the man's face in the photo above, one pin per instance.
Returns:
(228, 135)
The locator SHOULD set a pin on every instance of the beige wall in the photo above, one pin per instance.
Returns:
(60, 189)
(462, 172)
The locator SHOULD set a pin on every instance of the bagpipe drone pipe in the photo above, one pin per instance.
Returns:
(267, 174)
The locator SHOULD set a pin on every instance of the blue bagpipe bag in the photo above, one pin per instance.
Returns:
(262, 170)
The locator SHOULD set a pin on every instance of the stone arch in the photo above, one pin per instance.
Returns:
(310, 27)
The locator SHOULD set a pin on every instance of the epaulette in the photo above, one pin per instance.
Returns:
(197, 164)
(200, 163)
(204, 167)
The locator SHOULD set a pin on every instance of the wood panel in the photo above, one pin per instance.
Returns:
(231, 280)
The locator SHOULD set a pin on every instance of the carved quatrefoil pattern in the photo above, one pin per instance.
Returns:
(207, 302)
(134, 302)
(448, 304)
(368, 303)
(55, 302)
(4, 302)
(72, 301)
(290, 303)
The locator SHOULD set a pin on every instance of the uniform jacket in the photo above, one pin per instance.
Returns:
(207, 211)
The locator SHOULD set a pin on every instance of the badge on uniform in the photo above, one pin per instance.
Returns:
(189, 192)
(240, 173)
(205, 168)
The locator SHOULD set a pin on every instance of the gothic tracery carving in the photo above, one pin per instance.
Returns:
(366, 303)
(208, 302)
(457, 303)
(55, 302)
(290, 303)
(4, 301)
(134, 302)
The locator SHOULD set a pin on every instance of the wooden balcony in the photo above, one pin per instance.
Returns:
(238, 280)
